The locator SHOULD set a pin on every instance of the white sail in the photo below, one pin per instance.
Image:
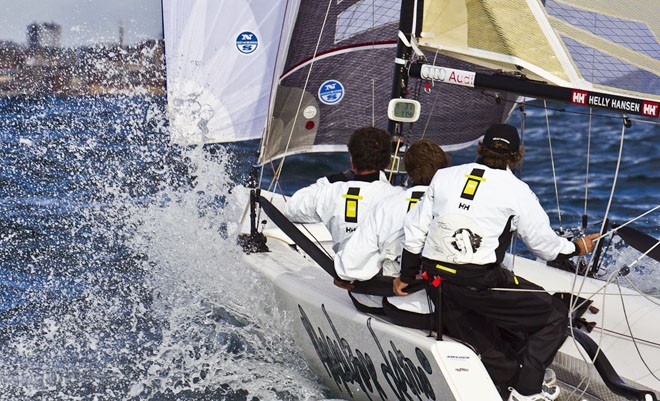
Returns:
(221, 58)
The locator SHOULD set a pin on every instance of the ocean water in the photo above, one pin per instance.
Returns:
(120, 277)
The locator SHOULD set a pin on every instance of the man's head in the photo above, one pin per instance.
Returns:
(500, 147)
(370, 149)
(422, 159)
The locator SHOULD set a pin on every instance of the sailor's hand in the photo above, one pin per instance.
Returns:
(347, 285)
(586, 244)
(398, 286)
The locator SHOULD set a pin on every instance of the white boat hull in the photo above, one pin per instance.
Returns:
(364, 357)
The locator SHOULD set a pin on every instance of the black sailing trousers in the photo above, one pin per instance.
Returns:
(516, 332)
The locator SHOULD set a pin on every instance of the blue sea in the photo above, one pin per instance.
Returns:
(120, 276)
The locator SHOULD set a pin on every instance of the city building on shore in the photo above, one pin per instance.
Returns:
(43, 67)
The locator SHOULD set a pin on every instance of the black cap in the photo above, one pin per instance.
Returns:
(502, 138)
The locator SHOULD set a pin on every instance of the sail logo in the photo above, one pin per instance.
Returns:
(247, 42)
(637, 106)
(579, 97)
(331, 92)
(650, 109)
(447, 75)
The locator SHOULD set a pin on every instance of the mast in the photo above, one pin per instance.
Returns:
(411, 11)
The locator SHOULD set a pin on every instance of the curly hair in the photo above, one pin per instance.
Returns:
(370, 149)
(498, 160)
(422, 159)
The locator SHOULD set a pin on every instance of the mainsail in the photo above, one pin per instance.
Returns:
(338, 77)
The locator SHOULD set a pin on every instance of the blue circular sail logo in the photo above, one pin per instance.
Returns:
(247, 42)
(331, 92)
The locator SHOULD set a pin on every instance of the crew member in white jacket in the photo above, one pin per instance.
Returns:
(459, 232)
(375, 246)
(342, 200)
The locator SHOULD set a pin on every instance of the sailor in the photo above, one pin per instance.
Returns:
(375, 246)
(459, 233)
(342, 200)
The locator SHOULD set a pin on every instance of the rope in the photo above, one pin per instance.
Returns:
(396, 153)
(435, 99)
(632, 336)
(628, 222)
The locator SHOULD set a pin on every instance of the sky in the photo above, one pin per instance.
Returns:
(83, 22)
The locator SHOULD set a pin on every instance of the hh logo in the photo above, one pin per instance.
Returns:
(579, 97)
(463, 206)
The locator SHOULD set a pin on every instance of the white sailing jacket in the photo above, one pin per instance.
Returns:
(469, 214)
(377, 242)
(339, 205)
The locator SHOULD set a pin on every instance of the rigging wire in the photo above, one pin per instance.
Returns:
(373, 81)
(614, 182)
(552, 161)
(264, 138)
(277, 171)
(586, 181)
(523, 118)
(280, 166)
(574, 294)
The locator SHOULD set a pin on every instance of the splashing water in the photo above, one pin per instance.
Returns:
(121, 277)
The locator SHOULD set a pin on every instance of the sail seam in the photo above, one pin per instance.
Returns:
(339, 50)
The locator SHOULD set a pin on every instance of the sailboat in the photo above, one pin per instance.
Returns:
(302, 75)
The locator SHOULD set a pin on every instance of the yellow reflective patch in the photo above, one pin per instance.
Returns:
(351, 208)
(445, 268)
(413, 200)
(515, 280)
(475, 177)
(470, 187)
(356, 197)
